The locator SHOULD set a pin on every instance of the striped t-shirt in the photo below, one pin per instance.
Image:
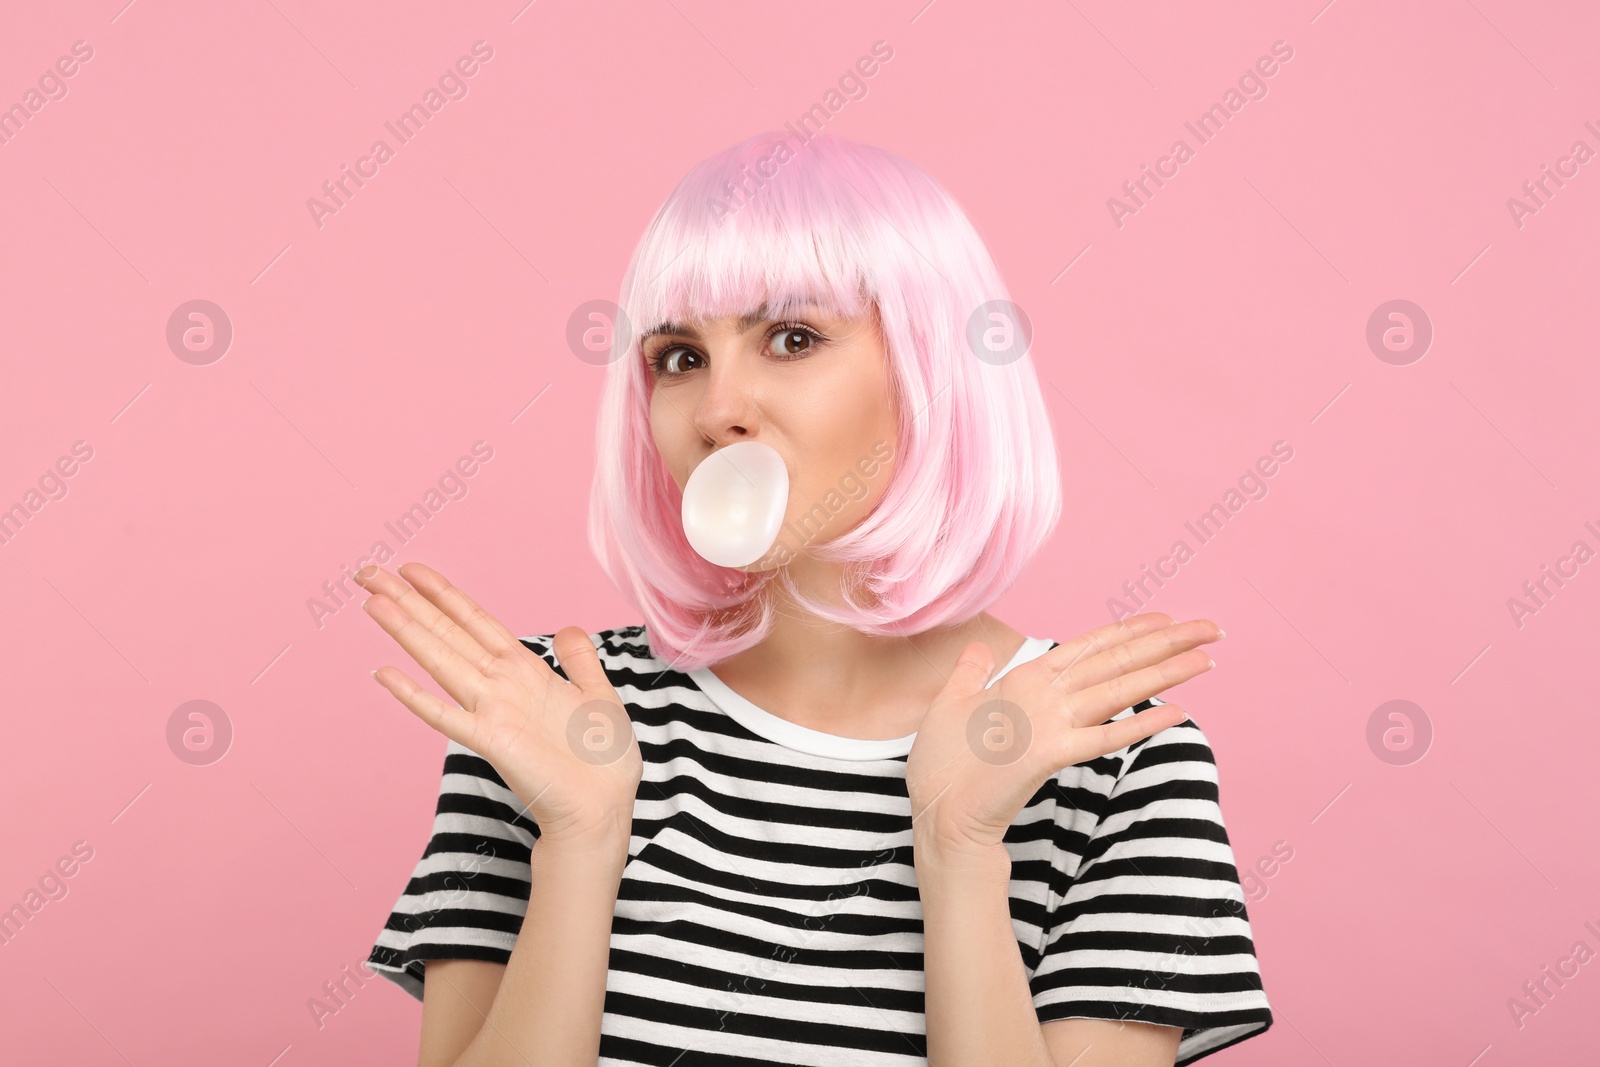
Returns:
(768, 911)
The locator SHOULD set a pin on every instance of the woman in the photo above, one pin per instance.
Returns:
(854, 840)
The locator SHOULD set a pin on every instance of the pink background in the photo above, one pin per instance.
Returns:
(369, 353)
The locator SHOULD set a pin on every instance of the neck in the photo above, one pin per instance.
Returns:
(829, 677)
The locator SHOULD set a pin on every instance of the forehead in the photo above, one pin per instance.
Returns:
(763, 312)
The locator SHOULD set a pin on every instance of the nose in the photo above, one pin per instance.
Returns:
(728, 409)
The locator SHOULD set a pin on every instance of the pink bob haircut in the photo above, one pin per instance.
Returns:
(975, 488)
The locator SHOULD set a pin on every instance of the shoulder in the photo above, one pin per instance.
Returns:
(472, 787)
(1183, 747)
(1185, 743)
(618, 640)
(624, 652)
(1176, 759)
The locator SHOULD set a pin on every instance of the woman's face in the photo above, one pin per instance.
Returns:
(815, 388)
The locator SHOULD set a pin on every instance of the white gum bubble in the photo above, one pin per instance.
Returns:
(734, 502)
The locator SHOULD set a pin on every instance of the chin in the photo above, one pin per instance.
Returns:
(778, 555)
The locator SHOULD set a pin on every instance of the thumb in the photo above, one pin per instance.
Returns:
(576, 653)
(972, 672)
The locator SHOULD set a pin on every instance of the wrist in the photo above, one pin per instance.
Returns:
(606, 841)
(943, 859)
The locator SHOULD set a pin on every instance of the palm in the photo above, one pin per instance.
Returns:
(551, 741)
(564, 746)
(982, 753)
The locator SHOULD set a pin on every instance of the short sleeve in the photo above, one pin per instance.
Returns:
(468, 894)
(1153, 925)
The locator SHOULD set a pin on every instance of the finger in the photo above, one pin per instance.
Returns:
(1094, 705)
(451, 599)
(1111, 736)
(462, 679)
(971, 673)
(1102, 638)
(577, 655)
(1143, 651)
(419, 604)
(454, 722)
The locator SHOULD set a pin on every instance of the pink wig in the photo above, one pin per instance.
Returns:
(975, 488)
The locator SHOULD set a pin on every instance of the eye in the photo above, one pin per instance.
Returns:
(788, 341)
(788, 335)
(659, 363)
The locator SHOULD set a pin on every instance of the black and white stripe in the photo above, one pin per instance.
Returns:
(768, 912)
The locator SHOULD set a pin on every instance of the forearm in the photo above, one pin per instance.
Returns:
(978, 1006)
(551, 997)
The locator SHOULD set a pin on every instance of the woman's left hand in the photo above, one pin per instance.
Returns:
(982, 753)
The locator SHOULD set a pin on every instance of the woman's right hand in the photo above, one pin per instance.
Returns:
(565, 747)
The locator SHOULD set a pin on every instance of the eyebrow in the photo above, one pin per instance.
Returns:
(744, 323)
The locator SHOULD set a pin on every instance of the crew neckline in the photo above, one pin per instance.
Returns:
(790, 735)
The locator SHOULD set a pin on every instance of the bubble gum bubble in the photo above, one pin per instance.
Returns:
(733, 503)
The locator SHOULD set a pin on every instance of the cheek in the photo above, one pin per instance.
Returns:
(852, 427)
(845, 473)
(852, 413)
(667, 441)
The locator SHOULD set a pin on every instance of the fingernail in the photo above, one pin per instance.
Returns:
(1210, 663)
(1221, 632)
